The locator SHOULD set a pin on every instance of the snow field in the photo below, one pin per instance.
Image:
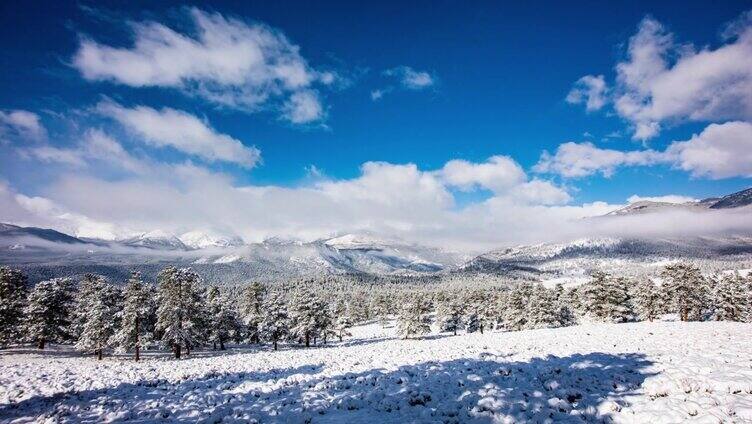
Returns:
(662, 372)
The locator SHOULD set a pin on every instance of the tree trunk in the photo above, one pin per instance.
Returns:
(214, 345)
(177, 350)
(340, 336)
(187, 349)
(99, 354)
(138, 339)
(138, 349)
(221, 345)
(307, 340)
(40, 343)
(455, 331)
(275, 344)
(481, 329)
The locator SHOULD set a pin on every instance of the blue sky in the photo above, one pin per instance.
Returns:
(492, 79)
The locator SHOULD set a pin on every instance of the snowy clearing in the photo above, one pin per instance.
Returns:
(637, 372)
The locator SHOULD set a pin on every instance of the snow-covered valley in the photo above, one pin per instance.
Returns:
(665, 372)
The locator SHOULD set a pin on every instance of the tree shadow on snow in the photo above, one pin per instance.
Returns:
(583, 387)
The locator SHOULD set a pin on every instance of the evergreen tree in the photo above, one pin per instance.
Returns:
(99, 324)
(178, 308)
(48, 312)
(274, 324)
(478, 313)
(304, 315)
(449, 314)
(223, 321)
(730, 299)
(685, 290)
(618, 300)
(542, 310)
(414, 317)
(13, 292)
(253, 298)
(595, 296)
(136, 317)
(515, 315)
(83, 299)
(380, 308)
(647, 302)
(343, 319)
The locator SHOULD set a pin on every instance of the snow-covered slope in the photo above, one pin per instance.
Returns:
(660, 372)
(202, 239)
(734, 200)
(155, 240)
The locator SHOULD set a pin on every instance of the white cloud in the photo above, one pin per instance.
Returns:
(498, 174)
(229, 62)
(664, 82)
(22, 123)
(591, 90)
(669, 198)
(182, 131)
(303, 106)
(719, 151)
(574, 160)
(410, 78)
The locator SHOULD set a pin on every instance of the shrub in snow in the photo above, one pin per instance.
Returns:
(730, 298)
(449, 313)
(48, 312)
(13, 292)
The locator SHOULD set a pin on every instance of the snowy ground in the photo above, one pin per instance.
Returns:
(640, 372)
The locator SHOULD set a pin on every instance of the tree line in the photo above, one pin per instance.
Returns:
(181, 313)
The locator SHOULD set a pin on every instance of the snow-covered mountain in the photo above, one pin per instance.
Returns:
(158, 240)
(202, 239)
(734, 200)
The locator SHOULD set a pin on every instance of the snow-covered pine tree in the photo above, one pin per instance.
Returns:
(274, 324)
(178, 308)
(647, 301)
(685, 290)
(343, 319)
(223, 321)
(542, 311)
(730, 298)
(380, 308)
(476, 316)
(48, 312)
(618, 300)
(304, 313)
(449, 313)
(595, 296)
(83, 299)
(99, 318)
(414, 316)
(253, 298)
(325, 321)
(515, 314)
(13, 292)
(138, 305)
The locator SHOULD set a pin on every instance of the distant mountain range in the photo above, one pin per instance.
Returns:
(734, 200)
(44, 253)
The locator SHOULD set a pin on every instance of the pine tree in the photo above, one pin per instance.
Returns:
(542, 311)
(515, 315)
(686, 291)
(304, 315)
(478, 315)
(48, 312)
(13, 292)
(343, 319)
(414, 318)
(730, 299)
(618, 300)
(83, 299)
(136, 317)
(178, 308)
(647, 301)
(253, 298)
(222, 318)
(449, 314)
(99, 324)
(595, 296)
(274, 324)
(380, 308)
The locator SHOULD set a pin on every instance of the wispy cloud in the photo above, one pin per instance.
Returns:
(229, 62)
(404, 78)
